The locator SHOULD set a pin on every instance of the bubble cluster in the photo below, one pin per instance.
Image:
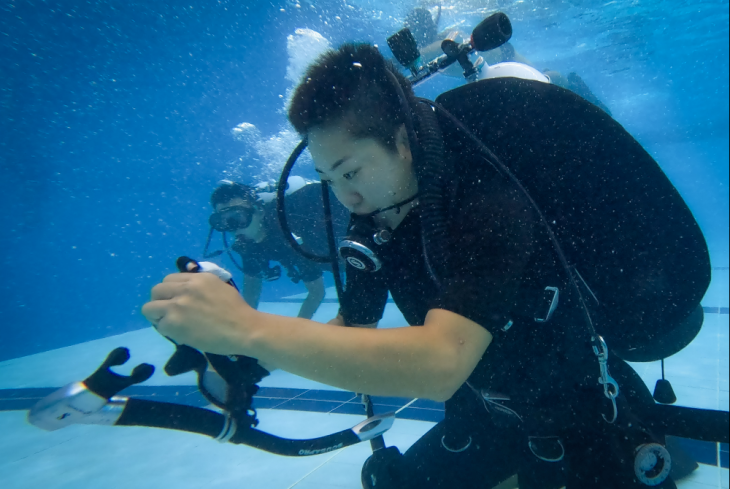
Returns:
(264, 157)
(303, 47)
(246, 133)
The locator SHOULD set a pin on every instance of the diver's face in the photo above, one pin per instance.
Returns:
(364, 174)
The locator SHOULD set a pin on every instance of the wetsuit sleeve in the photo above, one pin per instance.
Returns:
(365, 297)
(494, 230)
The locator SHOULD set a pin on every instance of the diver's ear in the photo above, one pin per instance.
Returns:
(402, 144)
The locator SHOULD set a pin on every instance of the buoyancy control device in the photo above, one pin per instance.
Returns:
(631, 241)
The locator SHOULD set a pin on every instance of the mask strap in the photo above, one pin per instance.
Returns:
(227, 249)
(230, 255)
(207, 245)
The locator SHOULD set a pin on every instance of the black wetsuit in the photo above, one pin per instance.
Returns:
(256, 256)
(500, 258)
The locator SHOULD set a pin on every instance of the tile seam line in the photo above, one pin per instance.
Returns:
(331, 411)
(342, 404)
(719, 470)
(316, 468)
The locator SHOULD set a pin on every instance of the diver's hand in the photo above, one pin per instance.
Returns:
(201, 311)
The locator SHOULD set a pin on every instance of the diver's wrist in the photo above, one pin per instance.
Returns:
(250, 332)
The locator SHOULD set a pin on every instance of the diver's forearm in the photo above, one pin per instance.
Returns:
(404, 362)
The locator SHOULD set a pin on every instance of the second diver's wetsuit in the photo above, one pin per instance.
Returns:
(256, 256)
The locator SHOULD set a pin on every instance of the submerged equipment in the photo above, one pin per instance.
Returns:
(230, 388)
(489, 34)
(359, 247)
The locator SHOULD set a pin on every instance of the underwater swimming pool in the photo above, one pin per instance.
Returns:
(120, 117)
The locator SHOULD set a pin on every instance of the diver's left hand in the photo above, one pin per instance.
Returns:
(201, 311)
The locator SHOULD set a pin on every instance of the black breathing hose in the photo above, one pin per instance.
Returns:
(432, 186)
(427, 148)
(281, 206)
(329, 225)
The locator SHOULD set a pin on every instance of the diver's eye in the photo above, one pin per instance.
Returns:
(349, 175)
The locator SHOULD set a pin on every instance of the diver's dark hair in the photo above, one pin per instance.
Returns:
(422, 26)
(351, 85)
(232, 190)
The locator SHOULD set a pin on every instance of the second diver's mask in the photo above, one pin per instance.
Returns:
(232, 218)
(359, 247)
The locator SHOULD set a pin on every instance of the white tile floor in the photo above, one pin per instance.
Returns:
(140, 458)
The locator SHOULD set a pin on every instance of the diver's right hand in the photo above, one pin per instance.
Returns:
(201, 311)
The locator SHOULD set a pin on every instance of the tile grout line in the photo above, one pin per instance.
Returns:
(717, 445)
(718, 342)
(401, 409)
(291, 398)
(717, 396)
(719, 468)
(342, 404)
(316, 468)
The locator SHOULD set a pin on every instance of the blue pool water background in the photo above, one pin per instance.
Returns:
(116, 121)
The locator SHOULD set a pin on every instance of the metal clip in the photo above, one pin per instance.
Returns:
(535, 443)
(610, 386)
(554, 297)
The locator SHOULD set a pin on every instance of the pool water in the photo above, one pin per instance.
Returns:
(117, 123)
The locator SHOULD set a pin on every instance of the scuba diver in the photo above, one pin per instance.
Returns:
(425, 30)
(244, 211)
(516, 295)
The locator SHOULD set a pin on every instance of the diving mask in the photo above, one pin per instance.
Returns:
(232, 218)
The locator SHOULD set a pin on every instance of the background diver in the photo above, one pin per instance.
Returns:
(428, 37)
(240, 209)
(475, 266)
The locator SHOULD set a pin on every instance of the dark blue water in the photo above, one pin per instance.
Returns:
(116, 119)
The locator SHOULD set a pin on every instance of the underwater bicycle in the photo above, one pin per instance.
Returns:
(234, 383)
